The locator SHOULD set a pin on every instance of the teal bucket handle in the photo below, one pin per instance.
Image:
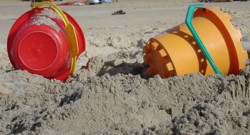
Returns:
(188, 22)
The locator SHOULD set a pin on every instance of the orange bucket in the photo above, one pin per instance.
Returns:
(176, 52)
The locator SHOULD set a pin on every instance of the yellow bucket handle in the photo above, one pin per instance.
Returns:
(70, 32)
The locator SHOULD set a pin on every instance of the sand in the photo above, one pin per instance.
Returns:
(113, 94)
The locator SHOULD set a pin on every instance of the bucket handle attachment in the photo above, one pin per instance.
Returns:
(70, 32)
(188, 22)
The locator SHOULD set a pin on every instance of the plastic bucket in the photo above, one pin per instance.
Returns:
(176, 52)
(38, 43)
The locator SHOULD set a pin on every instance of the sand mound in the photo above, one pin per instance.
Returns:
(119, 99)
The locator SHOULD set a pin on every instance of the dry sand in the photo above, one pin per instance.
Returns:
(113, 95)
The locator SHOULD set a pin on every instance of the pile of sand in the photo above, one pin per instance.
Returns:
(118, 99)
(114, 95)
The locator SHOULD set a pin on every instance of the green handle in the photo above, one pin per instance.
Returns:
(188, 22)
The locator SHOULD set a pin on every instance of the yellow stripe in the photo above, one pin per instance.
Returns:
(58, 10)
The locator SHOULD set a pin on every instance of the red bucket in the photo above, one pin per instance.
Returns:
(38, 43)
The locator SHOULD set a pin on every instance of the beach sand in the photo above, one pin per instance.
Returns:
(113, 95)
